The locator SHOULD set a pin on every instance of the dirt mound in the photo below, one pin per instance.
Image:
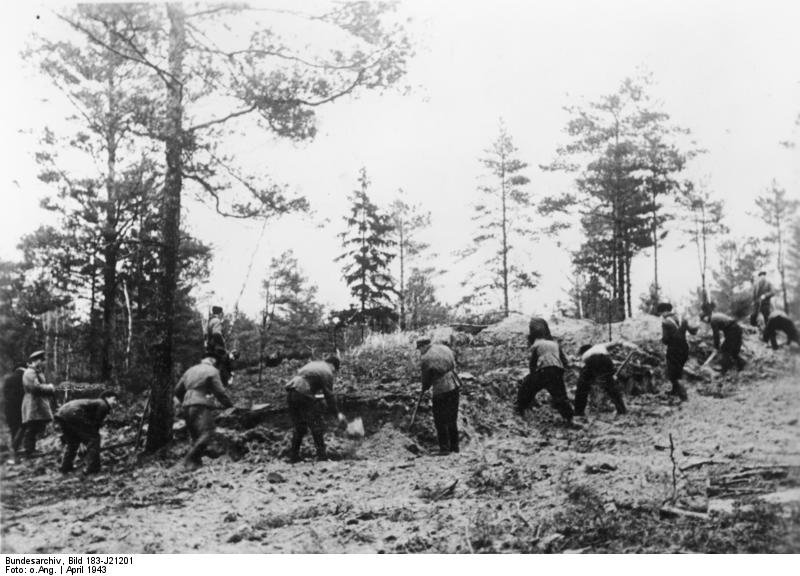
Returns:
(388, 442)
(574, 332)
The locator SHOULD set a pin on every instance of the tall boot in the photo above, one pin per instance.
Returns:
(297, 442)
(319, 443)
(679, 391)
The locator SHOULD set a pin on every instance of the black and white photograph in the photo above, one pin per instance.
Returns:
(360, 277)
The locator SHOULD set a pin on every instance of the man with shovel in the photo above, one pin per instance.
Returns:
(780, 322)
(598, 367)
(304, 408)
(728, 327)
(673, 334)
(438, 365)
(197, 390)
(80, 422)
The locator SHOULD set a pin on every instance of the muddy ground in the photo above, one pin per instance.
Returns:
(729, 482)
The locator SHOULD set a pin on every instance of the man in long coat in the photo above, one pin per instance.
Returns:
(36, 410)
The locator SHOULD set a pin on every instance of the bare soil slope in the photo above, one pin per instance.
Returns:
(527, 485)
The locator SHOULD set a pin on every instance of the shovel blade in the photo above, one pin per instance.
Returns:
(355, 428)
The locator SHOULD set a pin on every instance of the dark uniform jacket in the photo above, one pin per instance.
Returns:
(13, 392)
(762, 288)
(674, 329)
(200, 385)
(86, 412)
(597, 360)
(36, 403)
(437, 366)
(720, 323)
(545, 353)
(315, 378)
(214, 336)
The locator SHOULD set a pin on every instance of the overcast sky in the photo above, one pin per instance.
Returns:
(727, 70)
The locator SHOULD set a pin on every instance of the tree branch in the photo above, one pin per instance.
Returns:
(163, 74)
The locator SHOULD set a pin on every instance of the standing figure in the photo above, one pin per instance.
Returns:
(673, 334)
(196, 390)
(216, 346)
(780, 322)
(80, 422)
(546, 371)
(729, 327)
(598, 367)
(438, 372)
(305, 408)
(762, 297)
(36, 411)
(13, 393)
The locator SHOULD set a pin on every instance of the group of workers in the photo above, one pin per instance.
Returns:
(202, 388)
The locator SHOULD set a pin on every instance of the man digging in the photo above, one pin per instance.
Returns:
(598, 368)
(80, 422)
(305, 409)
(673, 334)
(438, 365)
(196, 390)
(728, 327)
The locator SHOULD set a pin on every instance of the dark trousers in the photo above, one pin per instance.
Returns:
(764, 308)
(14, 422)
(731, 348)
(73, 434)
(604, 377)
(306, 414)
(550, 378)
(30, 431)
(445, 418)
(677, 355)
(200, 422)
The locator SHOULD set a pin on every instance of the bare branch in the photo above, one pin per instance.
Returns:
(224, 118)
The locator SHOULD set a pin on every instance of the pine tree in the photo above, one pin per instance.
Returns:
(777, 212)
(626, 157)
(368, 251)
(739, 261)
(503, 220)
(268, 79)
(704, 220)
(407, 221)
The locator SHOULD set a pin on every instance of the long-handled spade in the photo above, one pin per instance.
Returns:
(416, 407)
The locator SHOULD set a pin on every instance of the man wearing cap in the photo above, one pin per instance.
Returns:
(762, 296)
(197, 390)
(13, 393)
(729, 327)
(673, 334)
(80, 422)
(438, 365)
(305, 409)
(780, 322)
(36, 411)
(598, 367)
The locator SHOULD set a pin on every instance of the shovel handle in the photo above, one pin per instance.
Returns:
(416, 407)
